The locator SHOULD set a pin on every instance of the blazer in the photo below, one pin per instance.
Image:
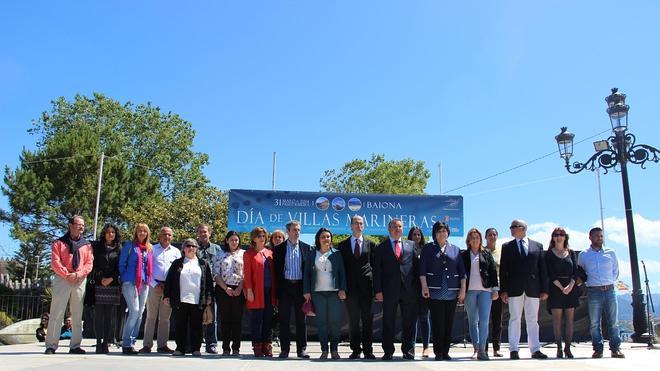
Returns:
(173, 283)
(396, 280)
(487, 268)
(434, 265)
(338, 272)
(359, 272)
(253, 276)
(520, 274)
(279, 256)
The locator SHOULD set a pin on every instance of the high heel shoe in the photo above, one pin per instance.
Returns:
(567, 351)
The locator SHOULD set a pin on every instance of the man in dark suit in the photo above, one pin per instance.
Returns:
(523, 282)
(396, 284)
(356, 252)
(289, 259)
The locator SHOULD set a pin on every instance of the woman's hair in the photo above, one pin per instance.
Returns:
(114, 243)
(467, 239)
(317, 237)
(255, 233)
(438, 226)
(276, 232)
(422, 242)
(552, 240)
(148, 238)
(230, 234)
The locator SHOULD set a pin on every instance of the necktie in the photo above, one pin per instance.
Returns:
(356, 252)
(522, 249)
(397, 250)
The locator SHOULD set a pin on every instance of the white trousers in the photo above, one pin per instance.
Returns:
(531, 307)
(65, 293)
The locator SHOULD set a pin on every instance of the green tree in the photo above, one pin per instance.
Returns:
(377, 175)
(30, 261)
(149, 161)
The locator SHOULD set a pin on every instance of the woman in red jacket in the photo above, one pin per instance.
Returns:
(259, 282)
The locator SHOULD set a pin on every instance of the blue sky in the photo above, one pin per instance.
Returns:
(479, 86)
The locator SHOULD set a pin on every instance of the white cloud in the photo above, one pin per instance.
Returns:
(647, 232)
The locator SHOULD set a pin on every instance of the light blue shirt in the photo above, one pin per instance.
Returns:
(293, 262)
(601, 266)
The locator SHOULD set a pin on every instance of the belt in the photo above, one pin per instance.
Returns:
(602, 288)
(292, 281)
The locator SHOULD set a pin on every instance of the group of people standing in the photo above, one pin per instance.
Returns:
(422, 281)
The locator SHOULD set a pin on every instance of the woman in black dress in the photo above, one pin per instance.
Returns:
(563, 296)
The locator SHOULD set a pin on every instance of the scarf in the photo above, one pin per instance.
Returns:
(141, 249)
(74, 248)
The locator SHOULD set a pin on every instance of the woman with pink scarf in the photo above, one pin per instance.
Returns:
(135, 264)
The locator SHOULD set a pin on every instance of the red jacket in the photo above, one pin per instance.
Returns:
(253, 271)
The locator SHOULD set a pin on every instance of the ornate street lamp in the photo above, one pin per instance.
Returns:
(616, 152)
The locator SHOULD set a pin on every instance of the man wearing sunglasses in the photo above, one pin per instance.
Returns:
(523, 283)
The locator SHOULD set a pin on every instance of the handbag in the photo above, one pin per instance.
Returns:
(207, 315)
(308, 309)
(107, 295)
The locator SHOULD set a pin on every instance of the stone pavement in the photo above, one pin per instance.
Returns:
(31, 357)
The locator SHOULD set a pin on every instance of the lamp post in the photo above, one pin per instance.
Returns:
(618, 150)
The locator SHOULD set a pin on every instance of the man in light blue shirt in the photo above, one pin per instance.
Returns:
(602, 269)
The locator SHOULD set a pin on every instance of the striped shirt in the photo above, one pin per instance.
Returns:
(293, 262)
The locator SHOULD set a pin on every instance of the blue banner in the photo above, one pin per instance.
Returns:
(273, 209)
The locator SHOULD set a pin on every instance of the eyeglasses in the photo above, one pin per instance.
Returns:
(515, 226)
(195, 246)
(261, 236)
(559, 235)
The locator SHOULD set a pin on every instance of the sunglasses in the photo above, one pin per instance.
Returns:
(515, 226)
(559, 235)
(195, 246)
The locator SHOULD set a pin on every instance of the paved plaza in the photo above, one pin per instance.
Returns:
(31, 357)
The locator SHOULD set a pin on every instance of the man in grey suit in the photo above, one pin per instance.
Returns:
(523, 283)
(397, 285)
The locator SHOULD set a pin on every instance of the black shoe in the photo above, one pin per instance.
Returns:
(439, 358)
(408, 356)
(212, 350)
(567, 352)
(283, 355)
(165, 350)
(130, 351)
(514, 355)
(355, 355)
(386, 357)
(303, 354)
(145, 350)
(99, 348)
(369, 356)
(105, 347)
(539, 355)
(49, 351)
(597, 354)
(617, 354)
(446, 356)
(77, 351)
(560, 353)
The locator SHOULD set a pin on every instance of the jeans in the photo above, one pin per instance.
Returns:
(135, 303)
(328, 318)
(603, 302)
(477, 305)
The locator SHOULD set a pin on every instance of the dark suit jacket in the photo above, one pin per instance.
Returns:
(279, 255)
(520, 274)
(359, 276)
(397, 281)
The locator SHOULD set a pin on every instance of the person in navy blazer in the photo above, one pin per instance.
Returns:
(523, 283)
(360, 288)
(396, 284)
(442, 275)
(289, 288)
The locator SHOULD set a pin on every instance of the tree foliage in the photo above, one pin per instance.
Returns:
(377, 175)
(149, 162)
